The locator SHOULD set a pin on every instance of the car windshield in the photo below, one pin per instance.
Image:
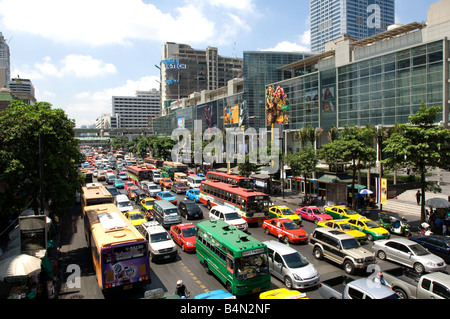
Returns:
(418, 250)
(191, 206)
(287, 211)
(196, 192)
(124, 204)
(149, 202)
(118, 180)
(350, 243)
(136, 216)
(232, 216)
(350, 211)
(173, 211)
(180, 185)
(153, 187)
(290, 225)
(189, 232)
(167, 195)
(156, 238)
(372, 224)
(295, 260)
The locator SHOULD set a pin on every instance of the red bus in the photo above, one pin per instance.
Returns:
(248, 203)
(138, 173)
(154, 161)
(232, 179)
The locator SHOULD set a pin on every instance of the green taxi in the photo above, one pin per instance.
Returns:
(341, 212)
(370, 228)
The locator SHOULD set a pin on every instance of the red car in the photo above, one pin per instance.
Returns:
(184, 235)
(312, 213)
(128, 185)
(285, 229)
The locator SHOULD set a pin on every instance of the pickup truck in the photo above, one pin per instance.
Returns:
(343, 287)
(409, 284)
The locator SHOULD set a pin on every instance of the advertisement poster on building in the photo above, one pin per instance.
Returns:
(328, 99)
(181, 122)
(231, 114)
(311, 101)
(277, 105)
(208, 114)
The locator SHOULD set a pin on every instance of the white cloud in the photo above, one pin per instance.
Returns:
(286, 46)
(89, 105)
(80, 66)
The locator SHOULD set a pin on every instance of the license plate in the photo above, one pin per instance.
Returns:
(166, 256)
(127, 287)
(257, 289)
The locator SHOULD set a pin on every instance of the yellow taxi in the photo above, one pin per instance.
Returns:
(282, 293)
(340, 212)
(136, 217)
(344, 226)
(284, 212)
(147, 206)
(373, 230)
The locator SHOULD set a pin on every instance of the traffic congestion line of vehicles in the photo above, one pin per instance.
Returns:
(337, 237)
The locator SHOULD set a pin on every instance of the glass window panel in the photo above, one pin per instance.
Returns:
(435, 46)
(420, 60)
(389, 67)
(403, 64)
(434, 57)
(419, 50)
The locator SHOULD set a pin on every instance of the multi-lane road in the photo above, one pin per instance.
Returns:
(165, 274)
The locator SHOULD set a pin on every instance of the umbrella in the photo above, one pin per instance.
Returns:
(437, 202)
(365, 192)
(19, 266)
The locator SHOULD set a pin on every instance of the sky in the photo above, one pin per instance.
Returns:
(78, 54)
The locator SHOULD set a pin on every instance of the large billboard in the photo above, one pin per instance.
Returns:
(231, 114)
(277, 105)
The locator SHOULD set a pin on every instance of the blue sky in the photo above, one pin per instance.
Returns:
(78, 54)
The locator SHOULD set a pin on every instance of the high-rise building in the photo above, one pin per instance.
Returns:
(358, 19)
(185, 70)
(4, 63)
(23, 89)
(136, 112)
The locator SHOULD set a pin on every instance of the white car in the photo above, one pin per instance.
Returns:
(160, 244)
(229, 216)
(123, 203)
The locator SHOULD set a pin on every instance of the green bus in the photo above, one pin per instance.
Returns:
(237, 259)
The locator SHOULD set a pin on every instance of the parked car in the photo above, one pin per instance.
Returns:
(436, 244)
(289, 231)
(178, 187)
(284, 212)
(344, 226)
(193, 194)
(184, 235)
(370, 228)
(408, 253)
(340, 212)
(312, 213)
(189, 209)
(168, 196)
(288, 265)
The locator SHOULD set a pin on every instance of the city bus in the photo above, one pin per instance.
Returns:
(235, 258)
(138, 173)
(154, 161)
(120, 255)
(232, 179)
(251, 205)
(94, 194)
(174, 167)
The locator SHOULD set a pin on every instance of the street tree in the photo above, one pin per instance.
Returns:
(421, 144)
(22, 126)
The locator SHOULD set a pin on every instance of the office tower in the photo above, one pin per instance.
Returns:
(358, 19)
(185, 70)
(4, 63)
(23, 89)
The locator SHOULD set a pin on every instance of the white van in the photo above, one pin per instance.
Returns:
(123, 203)
(160, 244)
(194, 181)
(229, 216)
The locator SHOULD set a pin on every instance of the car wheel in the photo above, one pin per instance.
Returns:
(419, 268)
(266, 230)
(288, 282)
(401, 293)
(183, 248)
(286, 239)
(318, 253)
(316, 221)
(381, 254)
(205, 265)
(370, 237)
(349, 267)
(229, 287)
(208, 205)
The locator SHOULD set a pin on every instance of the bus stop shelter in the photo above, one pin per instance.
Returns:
(335, 187)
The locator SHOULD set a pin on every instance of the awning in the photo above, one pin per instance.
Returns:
(330, 179)
(357, 186)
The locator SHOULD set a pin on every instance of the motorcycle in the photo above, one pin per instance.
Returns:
(395, 225)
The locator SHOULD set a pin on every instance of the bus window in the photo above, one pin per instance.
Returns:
(251, 266)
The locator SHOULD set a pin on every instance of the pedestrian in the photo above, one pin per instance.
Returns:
(408, 169)
(444, 230)
(418, 196)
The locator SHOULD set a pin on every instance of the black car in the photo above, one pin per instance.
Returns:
(189, 209)
(436, 244)
(178, 188)
(113, 191)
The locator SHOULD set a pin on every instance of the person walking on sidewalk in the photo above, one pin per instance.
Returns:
(418, 196)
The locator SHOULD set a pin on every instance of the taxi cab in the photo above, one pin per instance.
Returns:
(284, 212)
(136, 217)
(344, 226)
(283, 293)
(340, 212)
(184, 235)
(370, 228)
(285, 229)
(147, 206)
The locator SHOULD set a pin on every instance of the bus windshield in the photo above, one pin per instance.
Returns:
(251, 266)
(257, 205)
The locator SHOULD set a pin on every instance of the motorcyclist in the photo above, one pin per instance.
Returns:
(181, 290)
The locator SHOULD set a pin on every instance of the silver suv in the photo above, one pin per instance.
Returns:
(340, 248)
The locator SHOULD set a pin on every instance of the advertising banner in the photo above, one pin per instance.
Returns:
(231, 114)
(381, 190)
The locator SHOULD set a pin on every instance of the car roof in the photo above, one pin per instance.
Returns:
(224, 209)
(378, 291)
(186, 225)
(334, 232)
(279, 247)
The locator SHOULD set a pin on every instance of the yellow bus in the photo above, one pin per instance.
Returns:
(95, 194)
(119, 252)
